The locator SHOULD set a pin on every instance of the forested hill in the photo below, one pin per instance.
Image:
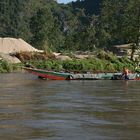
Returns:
(90, 6)
(80, 25)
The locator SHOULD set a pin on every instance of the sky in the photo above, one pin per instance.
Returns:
(65, 1)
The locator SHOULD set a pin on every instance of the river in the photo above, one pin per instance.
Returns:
(35, 109)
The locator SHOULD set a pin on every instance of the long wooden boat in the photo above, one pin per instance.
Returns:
(52, 75)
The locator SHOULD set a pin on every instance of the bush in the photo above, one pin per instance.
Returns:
(5, 66)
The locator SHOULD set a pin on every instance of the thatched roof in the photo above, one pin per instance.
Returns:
(12, 45)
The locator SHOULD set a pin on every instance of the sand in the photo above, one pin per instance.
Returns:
(12, 45)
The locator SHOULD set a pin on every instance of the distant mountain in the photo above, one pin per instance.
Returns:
(90, 6)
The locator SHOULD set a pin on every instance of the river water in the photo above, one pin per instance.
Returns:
(34, 109)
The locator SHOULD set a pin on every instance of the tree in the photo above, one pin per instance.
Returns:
(41, 25)
(111, 22)
(132, 24)
(13, 19)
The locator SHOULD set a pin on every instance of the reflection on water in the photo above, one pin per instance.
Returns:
(33, 109)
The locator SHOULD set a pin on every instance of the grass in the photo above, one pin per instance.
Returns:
(6, 67)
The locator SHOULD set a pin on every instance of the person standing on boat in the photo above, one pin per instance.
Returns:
(125, 73)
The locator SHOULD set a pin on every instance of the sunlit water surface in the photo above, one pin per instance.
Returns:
(34, 109)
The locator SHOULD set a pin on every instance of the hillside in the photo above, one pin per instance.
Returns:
(81, 25)
(90, 6)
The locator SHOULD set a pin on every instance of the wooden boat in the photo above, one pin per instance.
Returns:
(52, 75)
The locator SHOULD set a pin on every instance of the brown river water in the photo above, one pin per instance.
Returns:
(34, 109)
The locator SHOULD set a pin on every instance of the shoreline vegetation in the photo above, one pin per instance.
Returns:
(101, 62)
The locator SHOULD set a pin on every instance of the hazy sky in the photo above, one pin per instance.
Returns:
(64, 1)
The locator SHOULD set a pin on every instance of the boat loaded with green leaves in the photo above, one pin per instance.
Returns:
(52, 75)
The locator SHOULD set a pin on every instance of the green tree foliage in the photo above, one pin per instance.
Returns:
(132, 21)
(81, 25)
(14, 19)
(112, 22)
(132, 24)
(41, 25)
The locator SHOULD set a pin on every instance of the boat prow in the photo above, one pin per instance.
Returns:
(47, 74)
